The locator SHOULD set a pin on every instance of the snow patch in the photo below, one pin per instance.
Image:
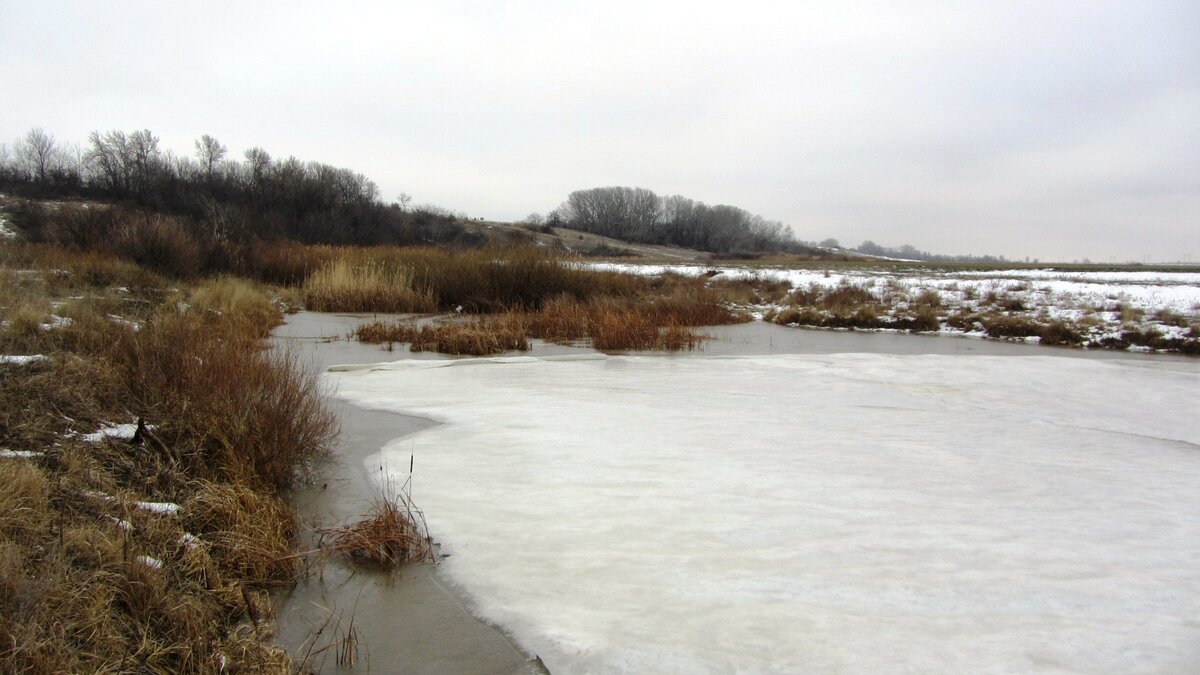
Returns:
(161, 508)
(20, 454)
(121, 523)
(22, 359)
(121, 432)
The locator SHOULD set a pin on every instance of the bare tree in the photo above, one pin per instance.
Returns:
(209, 152)
(38, 152)
(107, 158)
(146, 159)
(259, 162)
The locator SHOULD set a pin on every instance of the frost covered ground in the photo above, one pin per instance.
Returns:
(814, 513)
(1123, 309)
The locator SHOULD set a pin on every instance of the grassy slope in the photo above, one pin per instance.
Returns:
(90, 581)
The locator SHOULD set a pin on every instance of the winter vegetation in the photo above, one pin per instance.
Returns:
(911, 253)
(212, 199)
(144, 524)
(147, 436)
(1123, 310)
(664, 321)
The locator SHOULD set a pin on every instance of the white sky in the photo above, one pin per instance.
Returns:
(1055, 130)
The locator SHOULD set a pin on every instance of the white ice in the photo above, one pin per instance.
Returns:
(833, 513)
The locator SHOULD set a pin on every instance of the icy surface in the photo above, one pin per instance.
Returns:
(833, 513)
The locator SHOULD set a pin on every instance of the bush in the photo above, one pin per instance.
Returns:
(230, 411)
(1003, 326)
(1059, 333)
(160, 244)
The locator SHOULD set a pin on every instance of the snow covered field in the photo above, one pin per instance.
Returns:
(1101, 305)
(814, 513)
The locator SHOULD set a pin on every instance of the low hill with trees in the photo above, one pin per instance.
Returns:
(254, 198)
(640, 215)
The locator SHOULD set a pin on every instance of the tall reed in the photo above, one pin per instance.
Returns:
(372, 286)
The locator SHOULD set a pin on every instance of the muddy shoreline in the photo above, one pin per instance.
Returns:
(411, 621)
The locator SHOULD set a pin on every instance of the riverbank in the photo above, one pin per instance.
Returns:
(407, 621)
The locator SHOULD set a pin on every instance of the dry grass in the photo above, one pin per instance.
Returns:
(227, 299)
(249, 533)
(230, 410)
(749, 291)
(1006, 326)
(88, 581)
(475, 337)
(346, 286)
(609, 323)
(851, 306)
(388, 536)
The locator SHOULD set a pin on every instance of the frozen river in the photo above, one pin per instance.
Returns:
(839, 512)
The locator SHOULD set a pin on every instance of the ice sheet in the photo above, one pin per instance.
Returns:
(799, 513)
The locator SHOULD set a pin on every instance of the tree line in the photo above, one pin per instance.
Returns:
(257, 197)
(908, 252)
(640, 215)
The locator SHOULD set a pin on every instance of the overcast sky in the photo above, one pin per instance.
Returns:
(1054, 130)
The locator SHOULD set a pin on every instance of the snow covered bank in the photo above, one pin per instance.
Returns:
(850, 513)
(1113, 309)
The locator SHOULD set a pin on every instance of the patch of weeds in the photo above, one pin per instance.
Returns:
(1168, 317)
(1010, 303)
(1060, 333)
(924, 320)
(928, 298)
(1005, 326)
(393, 533)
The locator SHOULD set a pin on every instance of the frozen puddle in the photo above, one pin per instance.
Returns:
(801, 513)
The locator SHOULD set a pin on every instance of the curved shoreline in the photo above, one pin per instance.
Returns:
(411, 620)
(406, 621)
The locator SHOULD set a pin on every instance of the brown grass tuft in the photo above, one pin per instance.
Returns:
(388, 536)
(250, 533)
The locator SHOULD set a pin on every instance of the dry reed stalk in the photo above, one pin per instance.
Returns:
(373, 286)
(388, 536)
(479, 337)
